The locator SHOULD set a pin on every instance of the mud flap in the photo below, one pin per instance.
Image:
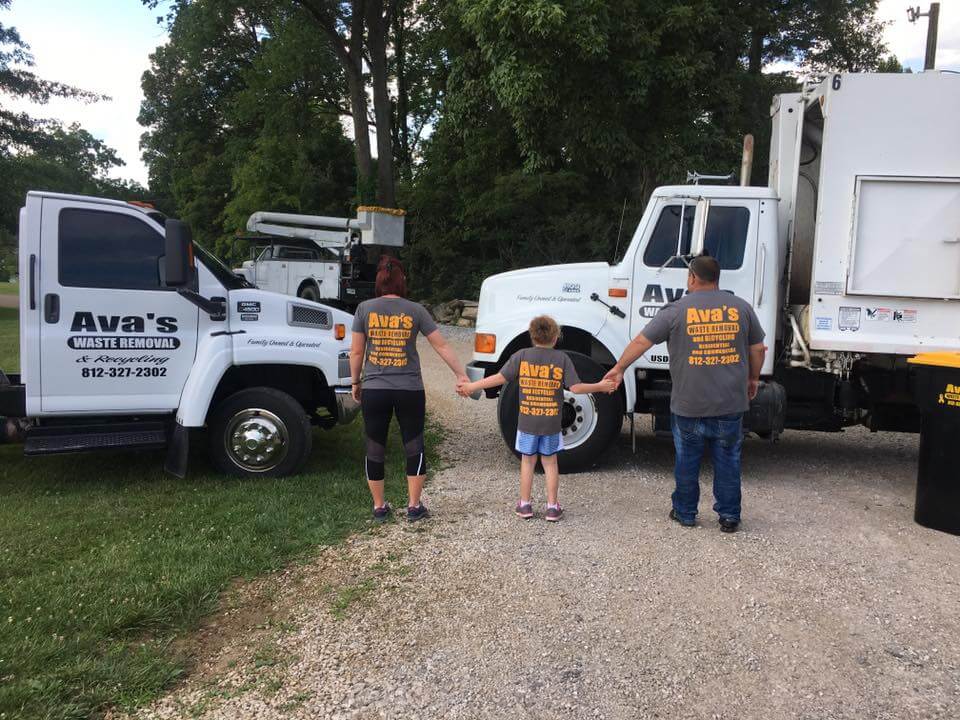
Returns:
(177, 451)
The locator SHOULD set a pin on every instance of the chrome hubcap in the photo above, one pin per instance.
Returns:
(579, 419)
(256, 439)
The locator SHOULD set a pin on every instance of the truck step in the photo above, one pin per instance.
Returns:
(82, 438)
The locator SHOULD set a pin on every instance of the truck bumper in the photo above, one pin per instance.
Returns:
(347, 407)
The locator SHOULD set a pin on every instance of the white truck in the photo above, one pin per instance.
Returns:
(850, 256)
(131, 336)
(316, 257)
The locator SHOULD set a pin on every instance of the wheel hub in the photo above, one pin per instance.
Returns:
(578, 419)
(256, 440)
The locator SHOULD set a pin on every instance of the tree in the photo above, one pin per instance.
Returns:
(242, 111)
(40, 154)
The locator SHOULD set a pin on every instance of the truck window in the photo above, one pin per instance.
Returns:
(663, 241)
(108, 250)
(726, 235)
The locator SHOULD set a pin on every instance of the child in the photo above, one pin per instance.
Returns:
(543, 372)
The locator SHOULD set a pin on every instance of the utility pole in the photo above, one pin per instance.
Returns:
(914, 14)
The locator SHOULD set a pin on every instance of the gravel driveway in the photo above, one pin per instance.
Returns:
(830, 603)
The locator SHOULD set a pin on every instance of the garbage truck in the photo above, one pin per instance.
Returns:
(850, 255)
(133, 337)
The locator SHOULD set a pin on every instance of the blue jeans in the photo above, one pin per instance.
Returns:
(724, 434)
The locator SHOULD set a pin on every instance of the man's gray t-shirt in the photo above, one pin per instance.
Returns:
(391, 326)
(543, 373)
(708, 334)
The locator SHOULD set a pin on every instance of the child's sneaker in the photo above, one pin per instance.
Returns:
(416, 512)
(524, 510)
(554, 513)
(382, 513)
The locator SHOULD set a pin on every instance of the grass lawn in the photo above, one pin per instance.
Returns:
(104, 560)
(7, 288)
(9, 340)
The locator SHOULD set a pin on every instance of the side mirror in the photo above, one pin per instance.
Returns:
(179, 264)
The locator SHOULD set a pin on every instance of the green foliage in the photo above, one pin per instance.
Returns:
(240, 107)
(523, 129)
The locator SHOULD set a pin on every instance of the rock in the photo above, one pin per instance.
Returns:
(470, 313)
(465, 322)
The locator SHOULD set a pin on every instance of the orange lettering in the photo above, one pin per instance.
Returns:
(557, 372)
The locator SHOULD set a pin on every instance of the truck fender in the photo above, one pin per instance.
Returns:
(615, 341)
(214, 358)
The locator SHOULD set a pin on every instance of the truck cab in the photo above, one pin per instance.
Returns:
(131, 336)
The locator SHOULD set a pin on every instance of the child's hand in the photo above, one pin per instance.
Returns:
(464, 389)
(607, 386)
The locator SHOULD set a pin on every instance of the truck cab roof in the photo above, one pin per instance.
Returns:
(716, 191)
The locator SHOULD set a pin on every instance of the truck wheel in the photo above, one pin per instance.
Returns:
(590, 422)
(259, 432)
(310, 292)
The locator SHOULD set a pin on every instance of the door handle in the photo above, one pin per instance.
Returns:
(33, 282)
(763, 272)
(51, 308)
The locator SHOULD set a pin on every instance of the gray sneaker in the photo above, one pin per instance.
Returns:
(553, 514)
(524, 510)
(417, 512)
(382, 513)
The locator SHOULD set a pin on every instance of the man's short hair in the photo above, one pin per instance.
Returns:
(544, 330)
(706, 268)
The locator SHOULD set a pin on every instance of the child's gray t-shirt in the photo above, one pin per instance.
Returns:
(543, 373)
(391, 326)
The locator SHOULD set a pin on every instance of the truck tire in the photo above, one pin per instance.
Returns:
(590, 422)
(309, 291)
(259, 432)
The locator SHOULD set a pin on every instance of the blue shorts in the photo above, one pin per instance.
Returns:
(528, 444)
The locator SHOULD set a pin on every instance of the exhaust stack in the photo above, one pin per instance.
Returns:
(746, 164)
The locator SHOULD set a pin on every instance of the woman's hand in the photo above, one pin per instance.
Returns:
(355, 391)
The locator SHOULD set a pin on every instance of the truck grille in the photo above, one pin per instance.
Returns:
(308, 317)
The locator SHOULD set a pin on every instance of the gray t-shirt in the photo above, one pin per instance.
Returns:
(391, 326)
(543, 373)
(708, 334)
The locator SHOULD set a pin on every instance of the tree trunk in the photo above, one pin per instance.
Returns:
(361, 134)
(403, 102)
(377, 49)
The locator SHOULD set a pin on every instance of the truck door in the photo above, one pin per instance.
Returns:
(275, 271)
(729, 235)
(111, 338)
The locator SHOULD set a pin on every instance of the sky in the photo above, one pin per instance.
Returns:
(104, 46)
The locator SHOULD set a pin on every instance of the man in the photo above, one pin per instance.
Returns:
(716, 354)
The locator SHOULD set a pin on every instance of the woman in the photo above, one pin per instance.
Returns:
(385, 332)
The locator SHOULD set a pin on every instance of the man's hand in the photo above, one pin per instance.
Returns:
(752, 387)
(615, 375)
(355, 391)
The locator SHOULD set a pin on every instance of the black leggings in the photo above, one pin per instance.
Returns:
(378, 407)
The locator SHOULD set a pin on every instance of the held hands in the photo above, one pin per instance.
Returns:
(614, 375)
(464, 387)
(607, 385)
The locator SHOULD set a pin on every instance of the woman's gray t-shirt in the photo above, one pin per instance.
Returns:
(391, 326)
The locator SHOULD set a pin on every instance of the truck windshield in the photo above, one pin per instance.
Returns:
(220, 271)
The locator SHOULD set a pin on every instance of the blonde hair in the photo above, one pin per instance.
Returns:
(544, 330)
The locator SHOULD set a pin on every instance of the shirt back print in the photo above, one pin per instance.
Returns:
(392, 326)
(542, 374)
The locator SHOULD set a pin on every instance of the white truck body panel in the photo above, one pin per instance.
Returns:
(886, 256)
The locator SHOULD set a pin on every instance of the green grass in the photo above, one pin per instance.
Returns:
(105, 560)
(7, 288)
(9, 340)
